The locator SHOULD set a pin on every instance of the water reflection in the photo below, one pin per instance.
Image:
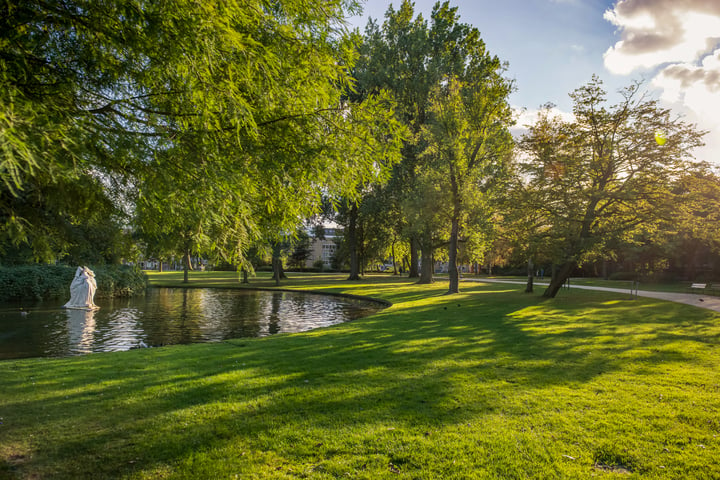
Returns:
(81, 330)
(167, 316)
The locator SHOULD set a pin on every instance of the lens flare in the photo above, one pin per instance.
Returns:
(660, 137)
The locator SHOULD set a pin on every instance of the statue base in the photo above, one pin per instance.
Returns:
(83, 307)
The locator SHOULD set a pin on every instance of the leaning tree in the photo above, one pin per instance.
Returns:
(597, 178)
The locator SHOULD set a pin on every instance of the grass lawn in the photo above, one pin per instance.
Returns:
(489, 383)
(676, 287)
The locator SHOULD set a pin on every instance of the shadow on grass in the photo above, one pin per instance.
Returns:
(427, 362)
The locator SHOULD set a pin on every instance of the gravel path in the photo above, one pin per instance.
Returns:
(702, 301)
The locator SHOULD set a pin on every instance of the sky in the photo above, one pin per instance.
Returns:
(555, 46)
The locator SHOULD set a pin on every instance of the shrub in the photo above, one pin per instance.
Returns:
(43, 282)
(304, 270)
(35, 282)
(119, 281)
(623, 276)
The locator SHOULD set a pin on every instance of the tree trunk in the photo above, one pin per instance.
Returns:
(558, 279)
(187, 266)
(395, 269)
(245, 276)
(413, 268)
(454, 286)
(352, 244)
(426, 266)
(531, 274)
(277, 268)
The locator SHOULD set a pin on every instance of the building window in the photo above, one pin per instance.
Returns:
(328, 250)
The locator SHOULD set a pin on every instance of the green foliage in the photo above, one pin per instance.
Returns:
(468, 149)
(599, 178)
(119, 280)
(64, 219)
(623, 276)
(408, 58)
(43, 282)
(301, 250)
(697, 194)
(35, 282)
(416, 62)
(206, 116)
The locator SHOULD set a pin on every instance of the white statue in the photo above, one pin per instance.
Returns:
(82, 290)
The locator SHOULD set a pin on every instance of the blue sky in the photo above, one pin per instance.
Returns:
(555, 46)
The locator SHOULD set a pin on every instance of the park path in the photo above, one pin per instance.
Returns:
(702, 301)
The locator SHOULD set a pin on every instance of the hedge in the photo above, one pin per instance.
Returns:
(43, 282)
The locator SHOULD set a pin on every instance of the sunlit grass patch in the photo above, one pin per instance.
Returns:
(491, 383)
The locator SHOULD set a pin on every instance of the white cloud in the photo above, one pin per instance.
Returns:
(694, 82)
(697, 88)
(649, 40)
(682, 39)
(526, 117)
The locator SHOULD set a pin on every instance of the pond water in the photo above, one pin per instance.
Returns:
(167, 316)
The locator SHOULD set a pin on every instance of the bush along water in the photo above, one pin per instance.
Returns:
(43, 282)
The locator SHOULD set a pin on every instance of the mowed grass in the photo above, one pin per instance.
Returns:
(490, 383)
(628, 285)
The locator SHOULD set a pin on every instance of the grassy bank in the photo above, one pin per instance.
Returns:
(490, 383)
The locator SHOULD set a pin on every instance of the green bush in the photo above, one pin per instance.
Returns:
(43, 282)
(35, 282)
(623, 276)
(119, 281)
(304, 270)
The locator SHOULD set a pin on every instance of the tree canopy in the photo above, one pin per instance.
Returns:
(414, 60)
(209, 127)
(469, 146)
(150, 97)
(601, 176)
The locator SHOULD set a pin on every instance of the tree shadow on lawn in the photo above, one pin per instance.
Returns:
(436, 362)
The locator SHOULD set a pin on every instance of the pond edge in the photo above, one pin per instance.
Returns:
(384, 303)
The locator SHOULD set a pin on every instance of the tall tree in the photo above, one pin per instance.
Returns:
(410, 59)
(597, 178)
(396, 56)
(469, 144)
(698, 202)
(301, 249)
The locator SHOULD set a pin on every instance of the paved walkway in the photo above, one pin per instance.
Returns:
(702, 301)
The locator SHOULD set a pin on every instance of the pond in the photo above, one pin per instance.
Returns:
(167, 316)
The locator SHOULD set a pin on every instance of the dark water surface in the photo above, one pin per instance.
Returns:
(167, 316)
